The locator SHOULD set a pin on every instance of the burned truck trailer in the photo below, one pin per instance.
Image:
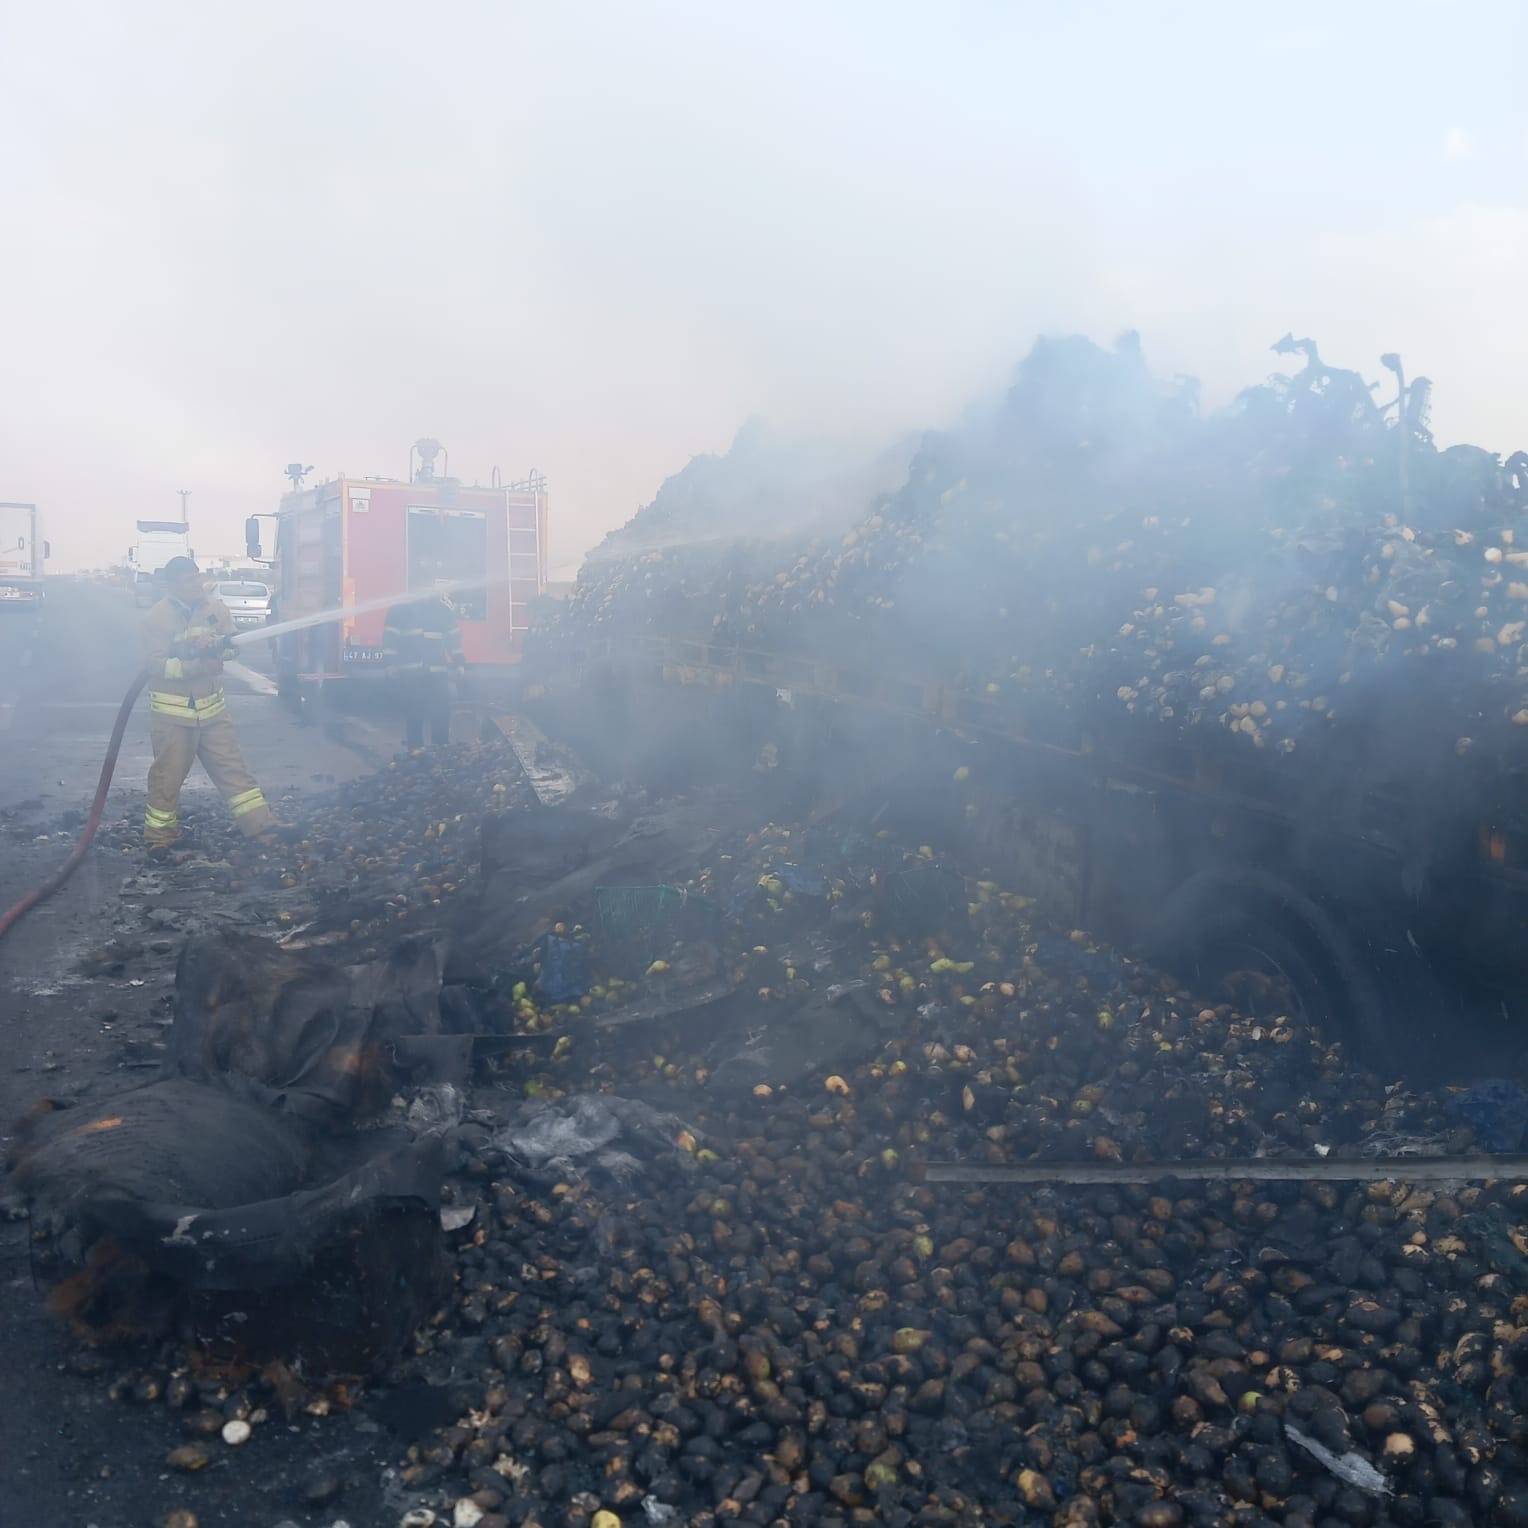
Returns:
(1242, 690)
(1380, 884)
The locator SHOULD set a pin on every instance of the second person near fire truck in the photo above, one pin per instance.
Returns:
(185, 640)
(421, 647)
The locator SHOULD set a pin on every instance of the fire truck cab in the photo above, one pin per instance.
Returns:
(364, 545)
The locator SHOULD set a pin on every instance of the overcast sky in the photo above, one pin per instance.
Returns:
(594, 238)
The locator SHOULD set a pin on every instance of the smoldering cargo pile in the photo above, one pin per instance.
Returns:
(697, 1277)
(1093, 550)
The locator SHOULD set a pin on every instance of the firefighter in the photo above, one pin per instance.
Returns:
(185, 640)
(422, 646)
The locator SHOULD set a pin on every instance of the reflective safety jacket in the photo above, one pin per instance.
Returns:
(186, 686)
(422, 638)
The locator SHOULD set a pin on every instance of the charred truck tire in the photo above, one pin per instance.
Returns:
(1382, 1002)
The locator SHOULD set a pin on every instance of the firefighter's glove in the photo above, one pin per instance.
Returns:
(213, 651)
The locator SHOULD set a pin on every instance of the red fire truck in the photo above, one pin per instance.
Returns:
(363, 545)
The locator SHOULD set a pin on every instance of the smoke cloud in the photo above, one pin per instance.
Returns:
(595, 239)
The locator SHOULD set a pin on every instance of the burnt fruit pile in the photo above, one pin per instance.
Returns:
(767, 1316)
(1096, 544)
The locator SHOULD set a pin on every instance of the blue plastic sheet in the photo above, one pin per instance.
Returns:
(796, 879)
(1496, 1109)
(804, 882)
(564, 970)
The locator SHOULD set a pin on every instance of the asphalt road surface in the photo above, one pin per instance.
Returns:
(68, 1455)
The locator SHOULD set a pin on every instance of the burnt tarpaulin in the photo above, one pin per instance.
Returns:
(519, 904)
(214, 1190)
(835, 1028)
(182, 1205)
(326, 1042)
(267, 1243)
(237, 1191)
(174, 1141)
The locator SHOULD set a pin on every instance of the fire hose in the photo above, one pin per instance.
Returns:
(41, 893)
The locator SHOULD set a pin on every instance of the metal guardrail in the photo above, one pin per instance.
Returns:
(1411, 1169)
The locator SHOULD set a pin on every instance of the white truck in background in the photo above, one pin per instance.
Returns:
(158, 541)
(22, 555)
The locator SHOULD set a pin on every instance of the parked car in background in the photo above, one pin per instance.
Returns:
(249, 603)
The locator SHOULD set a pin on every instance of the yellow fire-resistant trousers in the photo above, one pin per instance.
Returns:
(176, 748)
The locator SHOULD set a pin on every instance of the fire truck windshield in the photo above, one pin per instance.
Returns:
(446, 546)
